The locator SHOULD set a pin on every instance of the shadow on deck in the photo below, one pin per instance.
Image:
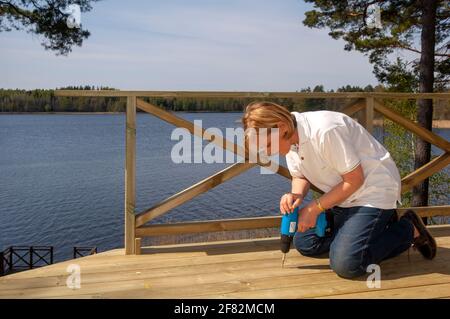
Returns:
(231, 269)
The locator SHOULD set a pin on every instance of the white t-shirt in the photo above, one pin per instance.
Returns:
(332, 144)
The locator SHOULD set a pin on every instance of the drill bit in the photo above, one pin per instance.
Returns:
(282, 260)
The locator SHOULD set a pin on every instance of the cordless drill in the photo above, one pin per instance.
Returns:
(289, 222)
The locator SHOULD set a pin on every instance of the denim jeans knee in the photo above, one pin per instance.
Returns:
(309, 244)
(344, 263)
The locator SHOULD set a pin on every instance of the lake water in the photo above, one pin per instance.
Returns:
(62, 179)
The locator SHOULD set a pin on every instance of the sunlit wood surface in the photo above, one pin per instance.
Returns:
(231, 269)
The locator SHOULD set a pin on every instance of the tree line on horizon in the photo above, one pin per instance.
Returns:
(44, 100)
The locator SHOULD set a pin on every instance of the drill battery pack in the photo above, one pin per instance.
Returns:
(325, 224)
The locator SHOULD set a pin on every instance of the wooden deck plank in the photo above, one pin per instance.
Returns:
(430, 291)
(229, 269)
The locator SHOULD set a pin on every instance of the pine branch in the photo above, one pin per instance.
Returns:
(405, 47)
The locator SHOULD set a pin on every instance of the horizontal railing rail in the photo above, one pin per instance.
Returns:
(231, 94)
(207, 226)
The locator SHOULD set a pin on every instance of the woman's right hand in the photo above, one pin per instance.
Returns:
(289, 202)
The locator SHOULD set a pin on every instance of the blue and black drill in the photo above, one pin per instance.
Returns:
(289, 228)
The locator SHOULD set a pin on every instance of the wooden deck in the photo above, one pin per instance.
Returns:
(231, 269)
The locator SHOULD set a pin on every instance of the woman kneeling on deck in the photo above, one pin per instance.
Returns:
(360, 181)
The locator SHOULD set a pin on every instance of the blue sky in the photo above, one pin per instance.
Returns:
(245, 45)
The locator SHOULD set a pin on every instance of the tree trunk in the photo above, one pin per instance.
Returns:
(425, 107)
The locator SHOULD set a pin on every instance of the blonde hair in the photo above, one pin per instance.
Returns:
(267, 115)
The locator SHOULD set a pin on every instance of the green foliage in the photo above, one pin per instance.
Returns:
(315, 104)
(400, 143)
(45, 101)
(397, 76)
(46, 19)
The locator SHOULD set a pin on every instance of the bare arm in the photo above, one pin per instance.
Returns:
(300, 186)
(351, 182)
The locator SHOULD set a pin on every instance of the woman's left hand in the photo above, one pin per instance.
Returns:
(307, 218)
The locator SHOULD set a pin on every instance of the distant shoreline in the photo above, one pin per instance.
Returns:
(103, 113)
(436, 123)
(376, 122)
(56, 113)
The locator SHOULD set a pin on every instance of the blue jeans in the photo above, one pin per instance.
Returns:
(361, 236)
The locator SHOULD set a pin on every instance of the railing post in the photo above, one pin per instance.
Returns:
(31, 257)
(11, 250)
(130, 175)
(137, 248)
(369, 114)
(2, 264)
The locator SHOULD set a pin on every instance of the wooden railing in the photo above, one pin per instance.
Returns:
(83, 251)
(16, 258)
(136, 226)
